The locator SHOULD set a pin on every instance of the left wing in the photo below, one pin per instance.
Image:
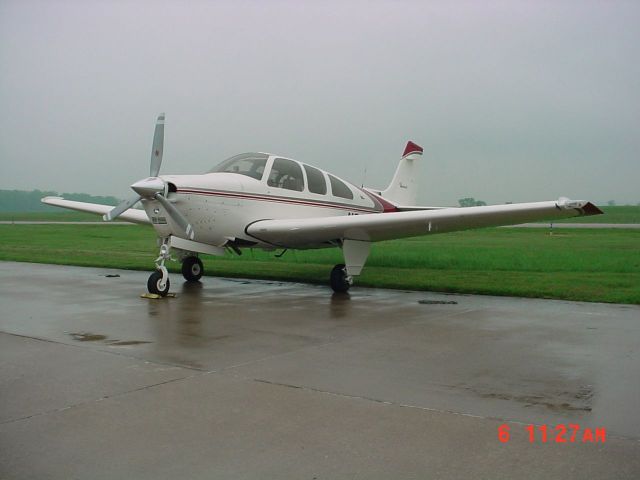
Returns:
(131, 215)
(386, 226)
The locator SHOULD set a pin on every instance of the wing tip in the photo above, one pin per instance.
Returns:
(591, 209)
(584, 207)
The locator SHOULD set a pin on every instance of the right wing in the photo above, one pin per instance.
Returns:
(131, 215)
(375, 227)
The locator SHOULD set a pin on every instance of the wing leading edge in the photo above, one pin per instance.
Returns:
(387, 226)
(131, 215)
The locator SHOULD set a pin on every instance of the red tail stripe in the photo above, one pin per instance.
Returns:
(411, 148)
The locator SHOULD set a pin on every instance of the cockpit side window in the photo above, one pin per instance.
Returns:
(249, 164)
(286, 174)
(339, 189)
(315, 180)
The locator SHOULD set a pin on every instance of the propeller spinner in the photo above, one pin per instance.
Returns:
(154, 188)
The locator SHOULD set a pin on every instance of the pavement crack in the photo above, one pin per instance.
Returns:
(325, 392)
(104, 397)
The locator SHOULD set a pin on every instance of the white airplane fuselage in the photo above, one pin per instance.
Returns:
(221, 205)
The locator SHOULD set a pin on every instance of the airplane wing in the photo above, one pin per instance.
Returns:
(386, 226)
(131, 215)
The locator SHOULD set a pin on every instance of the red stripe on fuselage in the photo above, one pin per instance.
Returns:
(386, 206)
(268, 198)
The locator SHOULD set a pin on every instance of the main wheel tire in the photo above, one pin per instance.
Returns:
(153, 284)
(339, 279)
(192, 269)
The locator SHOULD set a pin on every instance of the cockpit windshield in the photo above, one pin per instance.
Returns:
(249, 164)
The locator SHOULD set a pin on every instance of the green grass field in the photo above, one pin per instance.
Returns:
(589, 265)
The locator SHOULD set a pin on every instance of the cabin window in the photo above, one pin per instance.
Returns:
(339, 188)
(286, 174)
(249, 164)
(315, 180)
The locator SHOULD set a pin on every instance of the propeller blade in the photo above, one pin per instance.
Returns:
(157, 147)
(121, 208)
(176, 216)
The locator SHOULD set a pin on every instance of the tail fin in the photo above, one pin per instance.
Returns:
(403, 189)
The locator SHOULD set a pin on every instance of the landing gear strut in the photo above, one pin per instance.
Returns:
(355, 256)
(158, 282)
(339, 279)
(192, 269)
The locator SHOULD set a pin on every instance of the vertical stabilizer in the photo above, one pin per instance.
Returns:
(403, 188)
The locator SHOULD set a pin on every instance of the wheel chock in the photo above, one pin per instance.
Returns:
(155, 296)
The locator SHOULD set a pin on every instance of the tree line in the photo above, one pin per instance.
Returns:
(471, 202)
(29, 201)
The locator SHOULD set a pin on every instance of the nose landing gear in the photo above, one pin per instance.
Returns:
(158, 282)
(192, 269)
(156, 285)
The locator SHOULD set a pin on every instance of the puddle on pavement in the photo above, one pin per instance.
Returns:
(87, 337)
(566, 401)
(95, 337)
(437, 302)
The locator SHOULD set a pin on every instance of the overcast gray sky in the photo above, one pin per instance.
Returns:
(512, 101)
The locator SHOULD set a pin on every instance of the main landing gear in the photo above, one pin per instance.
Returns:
(158, 283)
(192, 269)
(339, 279)
(355, 256)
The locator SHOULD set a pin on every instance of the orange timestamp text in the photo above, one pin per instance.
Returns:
(561, 433)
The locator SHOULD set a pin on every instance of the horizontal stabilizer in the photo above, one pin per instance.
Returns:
(398, 208)
(413, 208)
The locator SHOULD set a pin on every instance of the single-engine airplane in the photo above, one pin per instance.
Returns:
(261, 200)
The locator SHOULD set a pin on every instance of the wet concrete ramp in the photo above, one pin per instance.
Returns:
(256, 379)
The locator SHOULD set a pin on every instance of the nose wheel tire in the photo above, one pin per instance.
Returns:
(154, 284)
(340, 281)
(192, 269)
